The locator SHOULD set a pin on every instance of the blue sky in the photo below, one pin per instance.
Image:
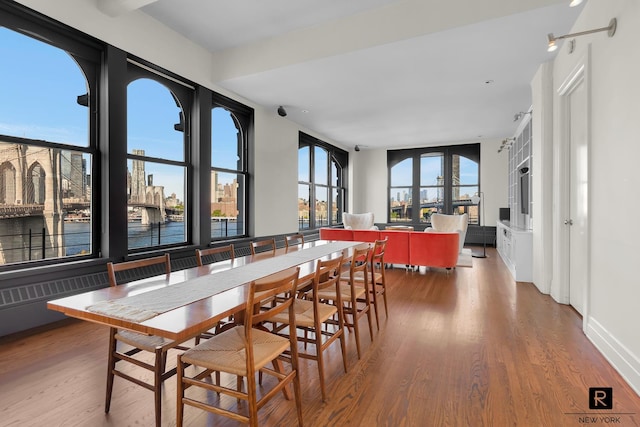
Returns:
(39, 85)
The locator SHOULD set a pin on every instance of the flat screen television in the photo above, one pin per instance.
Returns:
(524, 191)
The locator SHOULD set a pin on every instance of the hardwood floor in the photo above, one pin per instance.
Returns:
(463, 348)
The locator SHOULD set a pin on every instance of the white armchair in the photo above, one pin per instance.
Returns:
(459, 223)
(363, 221)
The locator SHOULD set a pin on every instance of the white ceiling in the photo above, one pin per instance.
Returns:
(378, 73)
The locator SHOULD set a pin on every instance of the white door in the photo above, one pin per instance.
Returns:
(578, 197)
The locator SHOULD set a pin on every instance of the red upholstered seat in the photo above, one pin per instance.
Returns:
(436, 250)
(336, 234)
(397, 250)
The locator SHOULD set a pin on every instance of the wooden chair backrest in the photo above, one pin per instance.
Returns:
(223, 252)
(328, 275)
(359, 262)
(266, 245)
(377, 253)
(131, 265)
(294, 240)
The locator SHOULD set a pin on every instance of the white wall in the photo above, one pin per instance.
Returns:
(612, 317)
(493, 180)
(368, 184)
(541, 178)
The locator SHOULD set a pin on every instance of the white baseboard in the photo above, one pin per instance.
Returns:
(626, 363)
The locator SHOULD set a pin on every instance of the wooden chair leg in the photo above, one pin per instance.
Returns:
(356, 330)
(111, 365)
(375, 304)
(370, 321)
(320, 362)
(180, 393)
(160, 365)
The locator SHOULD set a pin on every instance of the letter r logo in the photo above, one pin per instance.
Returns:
(600, 398)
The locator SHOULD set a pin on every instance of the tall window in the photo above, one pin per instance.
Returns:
(158, 112)
(435, 179)
(230, 123)
(47, 146)
(321, 188)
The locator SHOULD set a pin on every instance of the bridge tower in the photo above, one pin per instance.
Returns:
(30, 190)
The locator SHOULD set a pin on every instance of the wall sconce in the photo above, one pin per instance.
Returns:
(610, 29)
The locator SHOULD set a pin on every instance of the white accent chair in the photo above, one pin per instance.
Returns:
(363, 221)
(442, 222)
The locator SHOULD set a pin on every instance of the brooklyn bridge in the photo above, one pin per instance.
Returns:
(41, 187)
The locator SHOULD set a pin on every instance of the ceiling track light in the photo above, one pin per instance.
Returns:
(506, 143)
(610, 29)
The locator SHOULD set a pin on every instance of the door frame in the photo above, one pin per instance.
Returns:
(562, 177)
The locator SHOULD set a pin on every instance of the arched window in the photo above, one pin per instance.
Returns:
(321, 183)
(156, 160)
(47, 143)
(230, 123)
(424, 181)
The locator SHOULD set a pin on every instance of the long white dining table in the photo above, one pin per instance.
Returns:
(184, 303)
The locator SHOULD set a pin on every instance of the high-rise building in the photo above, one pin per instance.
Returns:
(138, 184)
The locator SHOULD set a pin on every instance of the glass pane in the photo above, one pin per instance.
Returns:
(400, 204)
(462, 202)
(431, 201)
(465, 171)
(303, 206)
(432, 169)
(303, 164)
(321, 207)
(44, 214)
(155, 206)
(320, 166)
(336, 205)
(152, 119)
(402, 174)
(226, 141)
(40, 86)
(227, 194)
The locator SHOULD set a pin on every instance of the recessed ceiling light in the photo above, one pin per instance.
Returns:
(305, 111)
(488, 82)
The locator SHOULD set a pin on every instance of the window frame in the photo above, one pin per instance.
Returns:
(335, 156)
(183, 92)
(243, 118)
(88, 54)
(394, 157)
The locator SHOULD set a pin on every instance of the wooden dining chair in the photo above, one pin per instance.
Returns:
(377, 282)
(263, 246)
(316, 319)
(356, 300)
(135, 343)
(209, 255)
(243, 351)
(293, 240)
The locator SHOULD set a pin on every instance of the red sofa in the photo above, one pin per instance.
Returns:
(435, 249)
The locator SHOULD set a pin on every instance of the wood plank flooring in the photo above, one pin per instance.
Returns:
(464, 348)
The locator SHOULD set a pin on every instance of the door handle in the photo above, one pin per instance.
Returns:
(568, 222)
